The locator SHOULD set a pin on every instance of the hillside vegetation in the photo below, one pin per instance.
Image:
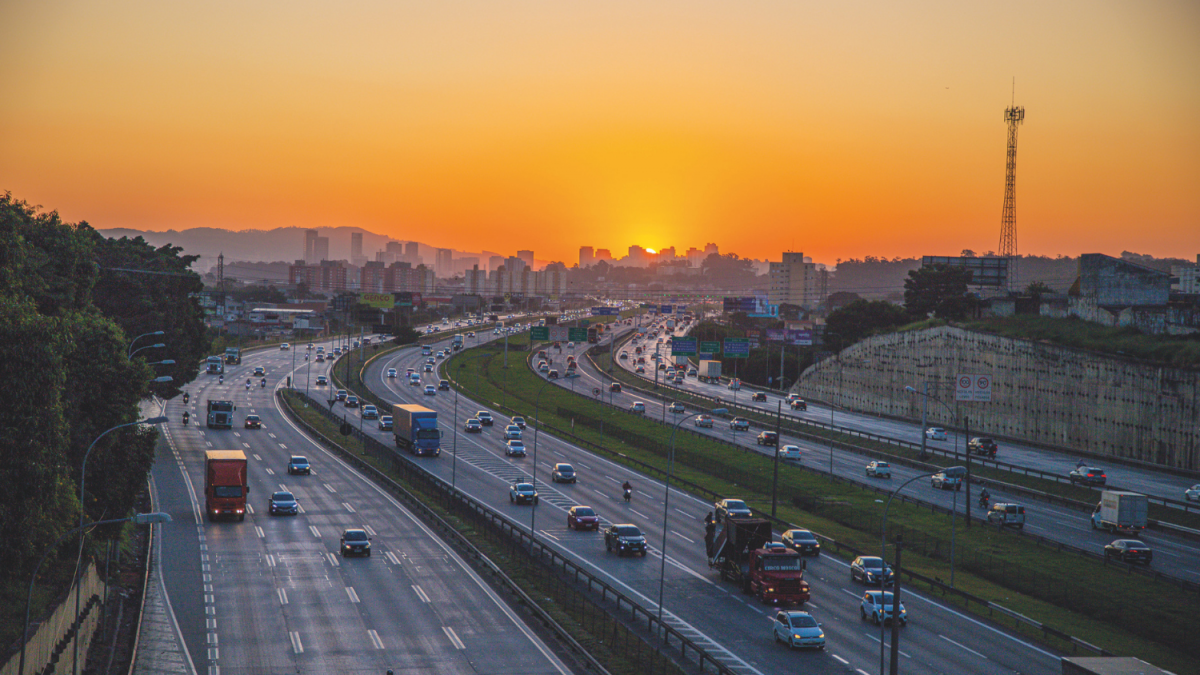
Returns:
(1178, 351)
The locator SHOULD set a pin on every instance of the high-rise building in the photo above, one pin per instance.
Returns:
(527, 256)
(666, 254)
(695, 257)
(495, 262)
(327, 276)
(710, 249)
(465, 264)
(603, 254)
(310, 243)
(356, 245)
(638, 257)
(794, 281)
(320, 250)
(444, 262)
(411, 254)
(396, 248)
(586, 257)
(514, 264)
(475, 281)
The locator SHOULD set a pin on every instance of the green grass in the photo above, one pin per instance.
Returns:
(822, 436)
(531, 578)
(1179, 351)
(1057, 589)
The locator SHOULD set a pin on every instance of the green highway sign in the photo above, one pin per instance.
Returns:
(539, 333)
(683, 346)
(737, 348)
(710, 347)
(577, 334)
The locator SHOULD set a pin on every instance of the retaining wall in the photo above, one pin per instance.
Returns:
(1041, 393)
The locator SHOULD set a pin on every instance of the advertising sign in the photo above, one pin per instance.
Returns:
(683, 346)
(377, 300)
(755, 306)
(710, 347)
(792, 336)
(973, 388)
(737, 348)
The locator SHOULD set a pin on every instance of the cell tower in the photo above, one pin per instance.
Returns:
(1008, 219)
(221, 285)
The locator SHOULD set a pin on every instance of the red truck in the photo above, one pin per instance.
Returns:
(774, 574)
(225, 485)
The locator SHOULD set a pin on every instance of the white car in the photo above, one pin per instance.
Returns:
(1192, 494)
(877, 606)
(284, 347)
(391, 372)
(514, 448)
(798, 629)
(879, 470)
(935, 434)
(790, 452)
(638, 408)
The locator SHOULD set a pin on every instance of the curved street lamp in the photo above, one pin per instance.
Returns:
(129, 349)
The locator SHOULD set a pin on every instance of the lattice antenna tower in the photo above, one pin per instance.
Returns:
(1013, 116)
(221, 285)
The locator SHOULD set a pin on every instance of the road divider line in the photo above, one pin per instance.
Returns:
(421, 594)
(283, 599)
(375, 639)
(353, 596)
(458, 644)
(959, 644)
(298, 646)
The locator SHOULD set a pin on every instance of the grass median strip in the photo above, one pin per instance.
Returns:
(1077, 595)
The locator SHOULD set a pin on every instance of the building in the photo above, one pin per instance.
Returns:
(495, 262)
(412, 255)
(285, 319)
(638, 257)
(443, 263)
(403, 277)
(587, 257)
(320, 250)
(310, 245)
(793, 281)
(475, 281)
(551, 282)
(326, 276)
(527, 256)
(371, 277)
(603, 254)
(1187, 278)
(356, 249)
(710, 249)
(515, 265)
(461, 265)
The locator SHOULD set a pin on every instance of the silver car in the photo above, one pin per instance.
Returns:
(799, 630)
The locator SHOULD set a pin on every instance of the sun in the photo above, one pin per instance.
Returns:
(651, 251)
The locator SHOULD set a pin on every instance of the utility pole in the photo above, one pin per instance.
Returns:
(1013, 116)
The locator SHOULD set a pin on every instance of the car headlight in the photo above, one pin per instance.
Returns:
(797, 637)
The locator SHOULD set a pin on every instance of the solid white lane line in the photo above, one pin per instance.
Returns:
(353, 596)
(959, 644)
(329, 487)
(315, 531)
(259, 531)
(843, 661)
(369, 530)
(283, 599)
(421, 594)
(690, 541)
(375, 639)
(392, 558)
(348, 507)
(298, 646)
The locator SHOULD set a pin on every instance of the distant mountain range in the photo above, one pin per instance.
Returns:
(282, 244)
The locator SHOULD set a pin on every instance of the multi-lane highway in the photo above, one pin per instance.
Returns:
(1174, 555)
(939, 639)
(271, 594)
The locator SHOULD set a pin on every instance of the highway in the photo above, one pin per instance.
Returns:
(271, 594)
(1120, 476)
(1172, 554)
(736, 629)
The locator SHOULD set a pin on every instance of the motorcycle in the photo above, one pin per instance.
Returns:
(983, 501)
(186, 396)
(263, 384)
(628, 495)
(247, 386)
(220, 379)
(185, 418)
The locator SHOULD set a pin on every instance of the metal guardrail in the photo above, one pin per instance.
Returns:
(672, 638)
(1189, 586)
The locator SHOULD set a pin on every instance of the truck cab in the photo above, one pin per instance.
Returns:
(739, 553)
(225, 484)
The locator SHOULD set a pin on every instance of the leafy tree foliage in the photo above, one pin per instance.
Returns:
(938, 290)
(841, 299)
(861, 319)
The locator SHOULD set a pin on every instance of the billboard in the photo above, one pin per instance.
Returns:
(377, 300)
(754, 305)
(984, 271)
(791, 336)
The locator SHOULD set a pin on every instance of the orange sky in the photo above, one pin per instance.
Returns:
(839, 129)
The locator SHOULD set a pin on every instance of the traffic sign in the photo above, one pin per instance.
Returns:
(577, 334)
(539, 333)
(973, 388)
(683, 346)
(665, 309)
(737, 348)
(710, 347)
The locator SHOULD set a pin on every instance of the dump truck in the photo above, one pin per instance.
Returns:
(710, 371)
(416, 429)
(220, 414)
(225, 484)
(773, 575)
(1120, 512)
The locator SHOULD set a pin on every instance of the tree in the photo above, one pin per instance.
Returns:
(1037, 289)
(860, 319)
(938, 290)
(841, 299)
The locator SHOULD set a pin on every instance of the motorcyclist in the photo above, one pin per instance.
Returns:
(186, 396)
(628, 490)
(185, 417)
(247, 385)
(984, 496)
(263, 383)
(220, 379)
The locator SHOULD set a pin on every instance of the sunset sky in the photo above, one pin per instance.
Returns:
(840, 129)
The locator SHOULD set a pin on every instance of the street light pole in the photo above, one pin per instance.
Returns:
(82, 511)
(537, 403)
(883, 558)
(141, 519)
(129, 350)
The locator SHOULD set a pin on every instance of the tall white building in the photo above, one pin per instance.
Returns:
(794, 281)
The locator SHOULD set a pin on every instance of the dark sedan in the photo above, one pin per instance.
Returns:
(1129, 550)
(869, 569)
(283, 503)
(803, 542)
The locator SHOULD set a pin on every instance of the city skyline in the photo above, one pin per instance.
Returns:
(761, 128)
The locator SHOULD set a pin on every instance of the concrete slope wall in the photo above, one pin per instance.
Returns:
(1044, 394)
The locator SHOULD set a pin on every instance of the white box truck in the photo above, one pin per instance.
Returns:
(710, 371)
(1121, 512)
